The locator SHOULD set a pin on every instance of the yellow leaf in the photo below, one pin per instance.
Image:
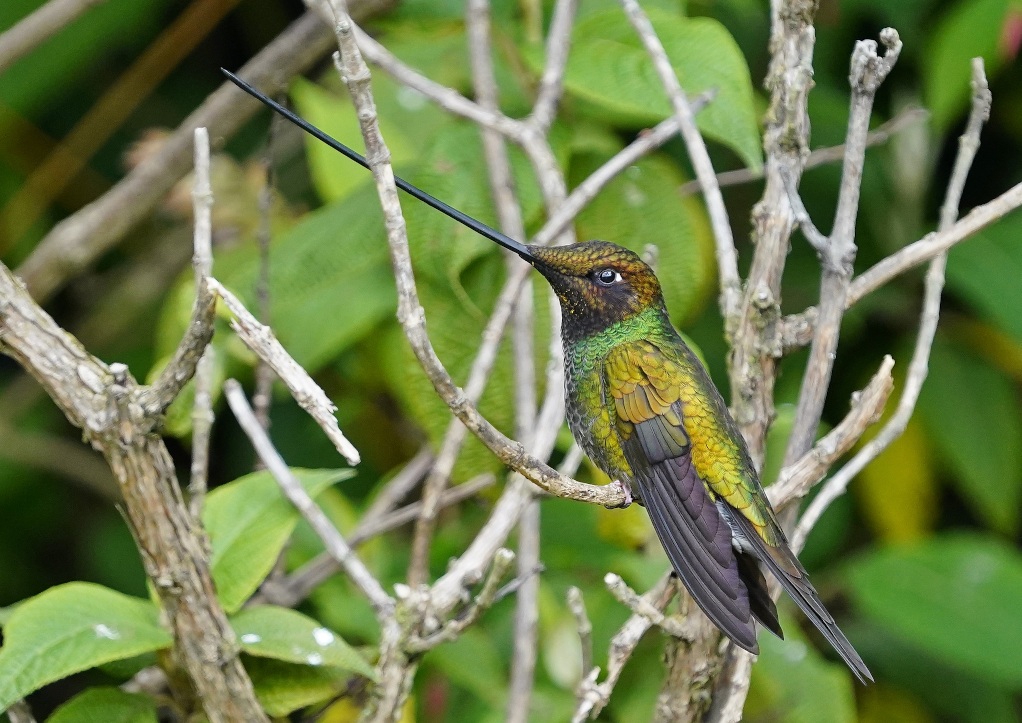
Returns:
(897, 491)
(346, 711)
(884, 704)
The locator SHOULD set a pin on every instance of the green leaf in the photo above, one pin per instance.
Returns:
(972, 412)
(955, 695)
(954, 597)
(642, 206)
(268, 631)
(609, 69)
(333, 175)
(970, 28)
(71, 628)
(332, 265)
(984, 272)
(249, 520)
(285, 687)
(471, 662)
(792, 683)
(106, 705)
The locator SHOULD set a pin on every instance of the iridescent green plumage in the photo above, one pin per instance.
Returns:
(640, 404)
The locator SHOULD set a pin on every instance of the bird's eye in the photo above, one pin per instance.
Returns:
(606, 277)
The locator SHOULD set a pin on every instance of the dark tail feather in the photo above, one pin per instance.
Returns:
(783, 564)
(760, 602)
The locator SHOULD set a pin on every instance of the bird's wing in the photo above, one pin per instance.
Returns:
(645, 390)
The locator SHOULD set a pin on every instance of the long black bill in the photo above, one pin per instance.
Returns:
(480, 228)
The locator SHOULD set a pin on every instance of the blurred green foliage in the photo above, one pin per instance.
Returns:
(921, 561)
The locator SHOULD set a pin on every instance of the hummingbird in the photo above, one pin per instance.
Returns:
(641, 405)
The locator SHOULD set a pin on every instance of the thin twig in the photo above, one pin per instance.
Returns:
(202, 262)
(510, 216)
(298, 585)
(410, 312)
(592, 696)
(262, 397)
(41, 24)
(20, 712)
(752, 367)
(502, 562)
(309, 395)
(837, 253)
(399, 486)
(799, 327)
(551, 83)
(577, 605)
(918, 367)
(727, 256)
(821, 156)
(334, 542)
(795, 480)
(934, 244)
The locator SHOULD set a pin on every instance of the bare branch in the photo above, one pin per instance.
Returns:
(502, 562)
(675, 627)
(299, 584)
(197, 336)
(868, 72)
(918, 367)
(551, 84)
(935, 243)
(821, 156)
(577, 606)
(310, 397)
(35, 28)
(410, 312)
(593, 697)
(752, 367)
(727, 256)
(795, 480)
(106, 403)
(335, 544)
(202, 261)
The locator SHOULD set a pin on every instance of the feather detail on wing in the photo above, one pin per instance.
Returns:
(783, 564)
(697, 539)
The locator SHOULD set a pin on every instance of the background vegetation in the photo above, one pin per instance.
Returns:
(921, 560)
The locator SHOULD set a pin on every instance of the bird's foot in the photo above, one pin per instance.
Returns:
(626, 490)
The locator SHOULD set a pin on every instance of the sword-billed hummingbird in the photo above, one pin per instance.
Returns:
(643, 408)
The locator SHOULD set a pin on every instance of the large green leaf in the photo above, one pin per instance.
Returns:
(972, 412)
(332, 266)
(106, 705)
(956, 695)
(286, 687)
(642, 206)
(249, 520)
(268, 631)
(72, 628)
(610, 70)
(954, 597)
(970, 28)
(333, 174)
(792, 683)
(985, 271)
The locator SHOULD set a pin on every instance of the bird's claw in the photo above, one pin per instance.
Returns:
(626, 490)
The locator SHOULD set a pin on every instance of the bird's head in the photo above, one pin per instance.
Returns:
(598, 283)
